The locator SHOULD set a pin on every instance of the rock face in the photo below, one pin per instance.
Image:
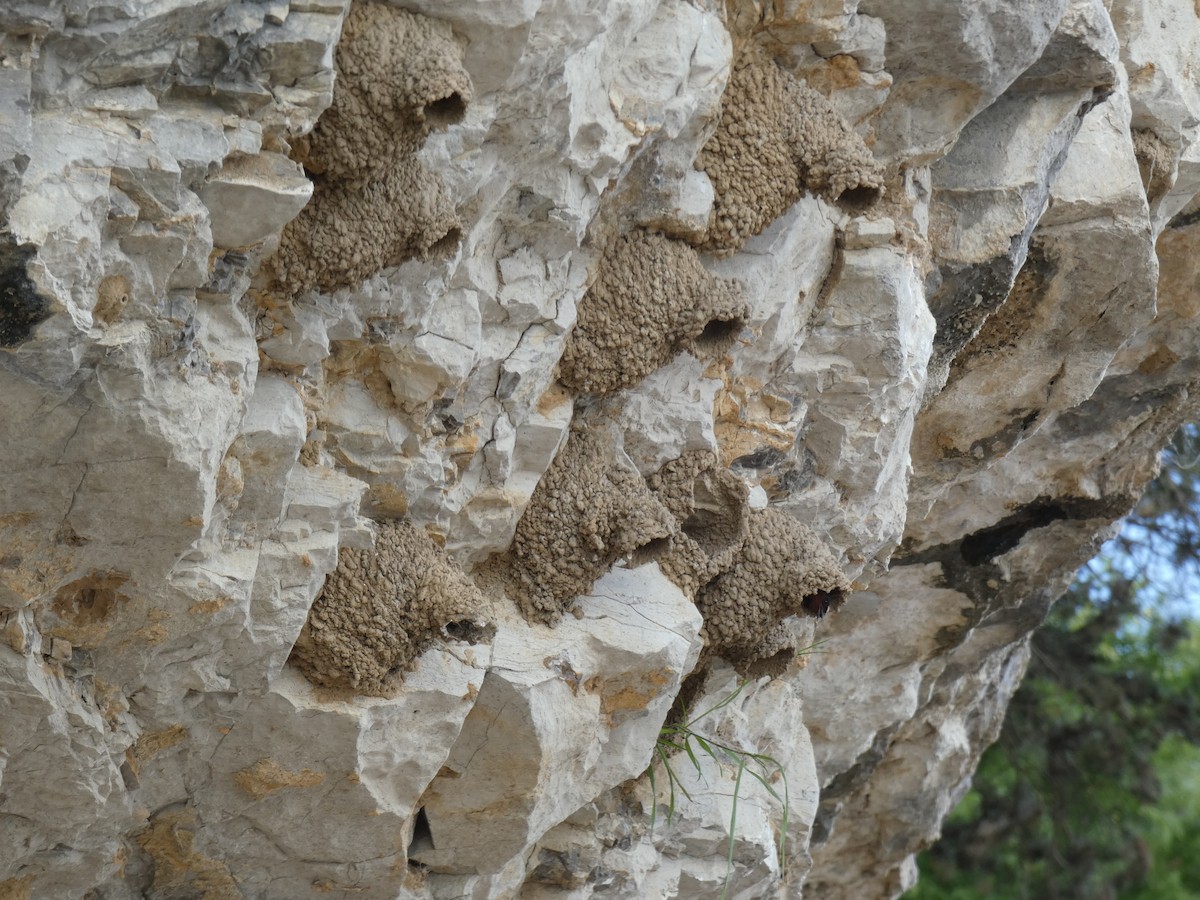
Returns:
(409, 407)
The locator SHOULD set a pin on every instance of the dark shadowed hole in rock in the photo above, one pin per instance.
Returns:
(719, 334)
(561, 868)
(858, 199)
(764, 458)
(821, 603)
(422, 839)
(711, 531)
(129, 777)
(649, 551)
(445, 111)
(988, 543)
(691, 689)
(22, 308)
(468, 631)
(446, 244)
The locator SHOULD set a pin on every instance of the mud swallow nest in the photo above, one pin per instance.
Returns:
(651, 299)
(780, 565)
(709, 505)
(374, 205)
(776, 137)
(589, 510)
(747, 571)
(382, 608)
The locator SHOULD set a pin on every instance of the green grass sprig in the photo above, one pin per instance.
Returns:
(680, 736)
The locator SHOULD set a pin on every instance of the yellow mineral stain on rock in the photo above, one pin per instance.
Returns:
(625, 699)
(120, 858)
(414, 877)
(498, 498)
(842, 72)
(554, 397)
(746, 420)
(151, 634)
(325, 886)
(153, 743)
(179, 869)
(14, 634)
(947, 446)
(717, 369)
(462, 446)
(210, 606)
(1179, 267)
(154, 631)
(31, 566)
(619, 697)
(266, 777)
(16, 888)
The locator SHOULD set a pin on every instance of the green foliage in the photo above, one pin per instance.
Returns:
(1173, 825)
(1093, 788)
(681, 737)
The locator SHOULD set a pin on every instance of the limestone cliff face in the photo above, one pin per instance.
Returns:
(405, 403)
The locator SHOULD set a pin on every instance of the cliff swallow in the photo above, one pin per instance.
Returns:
(821, 602)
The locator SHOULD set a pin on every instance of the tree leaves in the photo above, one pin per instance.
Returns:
(1093, 788)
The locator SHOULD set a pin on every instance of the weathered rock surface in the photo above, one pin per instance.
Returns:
(279, 277)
